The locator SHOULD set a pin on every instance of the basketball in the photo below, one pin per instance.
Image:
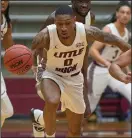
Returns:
(18, 59)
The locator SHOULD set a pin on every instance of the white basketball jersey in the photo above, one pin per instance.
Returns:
(87, 22)
(4, 27)
(88, 19)
(111, 53)
(66, 60)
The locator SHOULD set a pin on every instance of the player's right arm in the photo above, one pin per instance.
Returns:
(40, 43)
(117, 66)
(96, 48)
(49, 21)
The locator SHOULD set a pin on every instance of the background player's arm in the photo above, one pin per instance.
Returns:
(40, 42)
(8, 40)
(95, 49)
(126, 69)
(117, 66)
(94, 33)
(49, 21)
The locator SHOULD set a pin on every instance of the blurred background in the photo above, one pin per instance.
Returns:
(27, 19)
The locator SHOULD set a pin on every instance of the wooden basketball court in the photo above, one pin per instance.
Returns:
(23, 128)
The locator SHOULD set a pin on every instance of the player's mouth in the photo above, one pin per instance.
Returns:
(65, 35)
(84, 10)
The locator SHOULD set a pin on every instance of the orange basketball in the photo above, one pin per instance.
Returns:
(18, 59)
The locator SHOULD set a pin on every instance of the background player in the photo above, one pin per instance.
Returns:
(116, 67)
(103, 55)
(7, 41)
(82, 11)
(66, 29)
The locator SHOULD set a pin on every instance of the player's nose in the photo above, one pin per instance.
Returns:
(84, 5)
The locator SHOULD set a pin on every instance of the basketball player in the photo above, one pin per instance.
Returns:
(64, 45)
(82, 11)
(104, 54)
(116, 67)
(7, 41)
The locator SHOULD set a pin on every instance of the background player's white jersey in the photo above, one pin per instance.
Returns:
(66, 60)
(4, 27)
(111, 53)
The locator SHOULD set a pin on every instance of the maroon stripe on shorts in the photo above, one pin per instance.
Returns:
(90, 78)
(90, 83)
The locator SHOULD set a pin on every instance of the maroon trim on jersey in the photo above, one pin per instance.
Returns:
(90, 78)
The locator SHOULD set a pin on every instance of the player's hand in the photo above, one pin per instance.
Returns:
(43, 63)
(127, 78)
(34, 69)
(40, 71)
(107, 63)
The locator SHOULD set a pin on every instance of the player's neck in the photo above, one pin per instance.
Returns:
(79, 18)
(120, 27)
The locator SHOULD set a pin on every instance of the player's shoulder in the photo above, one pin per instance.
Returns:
(42, 39)
(44, 34)
(80, 25)
(107, 28)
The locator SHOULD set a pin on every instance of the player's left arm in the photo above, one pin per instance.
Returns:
(94, 33)
(116, 67)
(85, 62)
(8, 40)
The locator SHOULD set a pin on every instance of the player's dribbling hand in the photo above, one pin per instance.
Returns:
(40, 71)
(127, 78)
(34, 69)
(107, 63)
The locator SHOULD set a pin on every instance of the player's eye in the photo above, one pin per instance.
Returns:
(68, 23)
(60, 24)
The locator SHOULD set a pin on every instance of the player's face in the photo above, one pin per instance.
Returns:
(4, 5)
(82, 7)
(124, 15)
(65, 25)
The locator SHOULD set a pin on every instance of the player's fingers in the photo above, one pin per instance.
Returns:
(129, 73)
